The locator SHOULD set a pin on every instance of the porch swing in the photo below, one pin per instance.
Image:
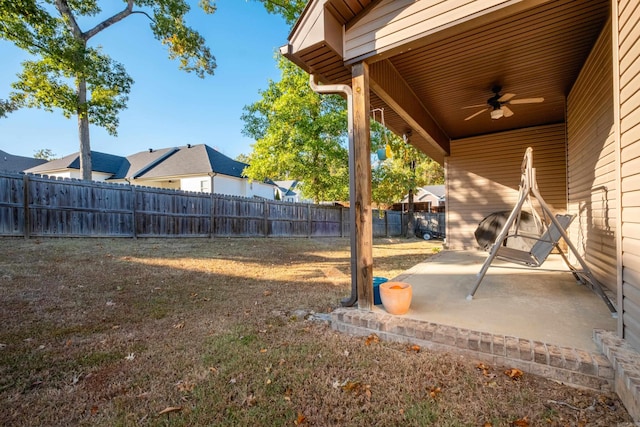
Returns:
(548, 239)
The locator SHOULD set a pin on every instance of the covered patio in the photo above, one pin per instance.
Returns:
(472, 84)
(537, 319)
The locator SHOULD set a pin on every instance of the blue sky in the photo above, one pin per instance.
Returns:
(167, 107)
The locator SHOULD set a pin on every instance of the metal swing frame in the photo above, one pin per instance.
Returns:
(545, 243)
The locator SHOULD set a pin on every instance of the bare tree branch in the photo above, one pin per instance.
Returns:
(109, 21)
(65, 11)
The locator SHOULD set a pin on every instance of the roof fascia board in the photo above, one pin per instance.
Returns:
(313, 27)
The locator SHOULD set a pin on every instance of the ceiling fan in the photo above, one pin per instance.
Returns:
(498, 104)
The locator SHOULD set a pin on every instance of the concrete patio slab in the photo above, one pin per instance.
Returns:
(542, 304)
(537, 319)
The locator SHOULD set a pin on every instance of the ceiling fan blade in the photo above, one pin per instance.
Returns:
(526, 101)
(507, 111)
(475, 106)
(476, 114)
(506, 97)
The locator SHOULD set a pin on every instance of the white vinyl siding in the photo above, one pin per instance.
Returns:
(592, 163)
(483, 174)
(629, 69)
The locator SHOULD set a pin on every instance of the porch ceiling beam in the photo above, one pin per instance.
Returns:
(387, 83)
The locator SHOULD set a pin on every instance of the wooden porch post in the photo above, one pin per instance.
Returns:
(362, 157)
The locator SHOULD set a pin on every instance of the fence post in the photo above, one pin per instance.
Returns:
(308, 219)
(266, 218)
(134, 228)
(211, 211)
(386, 223)
(341, 221)
(25, 204)
(213, 214)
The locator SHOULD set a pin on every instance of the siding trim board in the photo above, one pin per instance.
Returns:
(626, 65)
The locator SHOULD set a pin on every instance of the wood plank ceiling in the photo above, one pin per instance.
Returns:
(535, 53)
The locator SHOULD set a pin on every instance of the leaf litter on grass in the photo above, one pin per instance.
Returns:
(210, 323)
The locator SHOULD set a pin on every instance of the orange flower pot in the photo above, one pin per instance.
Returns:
(396, 297)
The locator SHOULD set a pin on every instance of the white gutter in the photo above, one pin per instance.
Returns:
(346, 90)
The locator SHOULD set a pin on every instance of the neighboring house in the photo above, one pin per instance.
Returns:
(288, 191)
(198, 168)
(570, 90)
(104, 166)
(16, 164)
(430, 198)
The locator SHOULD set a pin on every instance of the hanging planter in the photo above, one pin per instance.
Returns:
(396, 297)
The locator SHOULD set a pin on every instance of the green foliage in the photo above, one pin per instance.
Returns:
(80, 80)
(6, 107)
(299, 135)
(290, 10)
(44, 154)
(394, 177)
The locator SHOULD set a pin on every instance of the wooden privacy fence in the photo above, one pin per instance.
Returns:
(38, 206)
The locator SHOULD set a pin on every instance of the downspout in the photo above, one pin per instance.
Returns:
(346, 90)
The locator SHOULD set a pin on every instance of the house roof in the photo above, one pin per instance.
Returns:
(424, 75)
(437, 191)
(100, 162)
(287, 187)
(153, 164)
(181, 161)
(15, 164)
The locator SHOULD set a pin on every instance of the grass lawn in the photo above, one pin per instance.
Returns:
(199, 332)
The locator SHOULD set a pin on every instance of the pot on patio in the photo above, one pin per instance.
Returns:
(396, 297)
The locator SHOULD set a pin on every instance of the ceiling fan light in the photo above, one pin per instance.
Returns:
(497, 113)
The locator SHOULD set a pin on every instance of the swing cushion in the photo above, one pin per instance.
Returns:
(541, 249)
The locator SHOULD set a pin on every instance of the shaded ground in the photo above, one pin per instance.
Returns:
(217, 332)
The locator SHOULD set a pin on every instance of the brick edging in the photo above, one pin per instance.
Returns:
(565, 364)
(626, 366)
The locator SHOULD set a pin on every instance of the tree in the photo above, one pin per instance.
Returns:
(299, 135)
(401, 175)
(66, 73)
(44, 154)
(289, 10)
(243, 158)
(6, 107)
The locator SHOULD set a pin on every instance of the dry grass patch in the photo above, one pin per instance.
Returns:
(213, 332)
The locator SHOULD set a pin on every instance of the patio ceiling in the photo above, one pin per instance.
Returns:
(531, 51)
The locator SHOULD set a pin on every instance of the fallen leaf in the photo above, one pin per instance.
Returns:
(213, 370)
(434, 392)
(522, 422)
(266, 293)
(415, 348)
(130, 357)
(185, 386)
(514, 373)
(263, 350)
(94, 410)
(487, 424)
(178, 325)
(170, 409)
(373, 338)
(350, 385)
(300, 420)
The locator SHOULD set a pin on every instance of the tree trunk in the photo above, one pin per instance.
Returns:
(411, 222)
(83, 130)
